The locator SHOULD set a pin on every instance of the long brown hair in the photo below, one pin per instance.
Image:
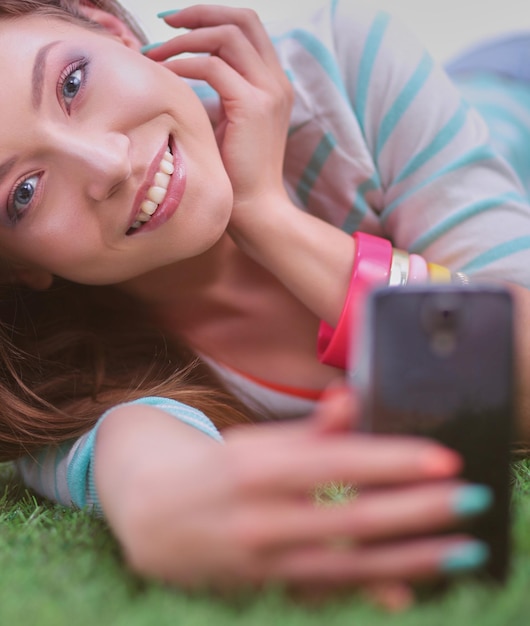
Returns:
(69, 353)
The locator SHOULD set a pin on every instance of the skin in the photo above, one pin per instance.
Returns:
(239, 512)
(92, 159)
(246, 521)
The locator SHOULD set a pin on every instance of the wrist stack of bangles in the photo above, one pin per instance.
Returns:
(376, 264)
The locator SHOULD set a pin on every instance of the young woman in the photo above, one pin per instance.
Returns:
(161, 281)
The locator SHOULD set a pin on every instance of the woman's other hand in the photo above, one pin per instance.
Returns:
(236, 58)
(197, 513)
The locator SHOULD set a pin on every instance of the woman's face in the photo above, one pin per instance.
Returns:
(85, 123)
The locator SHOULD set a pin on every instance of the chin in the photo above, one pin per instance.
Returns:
(217, 215)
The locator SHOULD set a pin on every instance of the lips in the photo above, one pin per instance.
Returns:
(160, 200)
(156, 194)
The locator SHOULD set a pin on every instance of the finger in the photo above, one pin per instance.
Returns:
(381, 516)
(410, 561)
(247, 20)
(228, 83)
(337, 411)
(394, 597)
(298, 465)
(226, 42)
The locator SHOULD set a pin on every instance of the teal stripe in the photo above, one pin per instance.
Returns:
(487, 86)
(321, 54)
(371, 49)
(314, 167)
(334, 5)
(443, 138)
(294, 129)
(403, 102)
(497, 253)
(360, 205)
(290, 75)
(503, 113)
(517, 151)
(480, 153)
(77, 471)
(462, 215)
(204, 91)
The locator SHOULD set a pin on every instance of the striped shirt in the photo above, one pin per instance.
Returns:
(383, 141)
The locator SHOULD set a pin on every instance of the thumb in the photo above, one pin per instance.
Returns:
(337, 411)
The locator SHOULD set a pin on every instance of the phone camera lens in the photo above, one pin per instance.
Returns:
(440, 320)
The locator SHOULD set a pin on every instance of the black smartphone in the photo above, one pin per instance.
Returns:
(438, 361)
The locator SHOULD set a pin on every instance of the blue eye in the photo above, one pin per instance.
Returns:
(71, 82)
(22, 197)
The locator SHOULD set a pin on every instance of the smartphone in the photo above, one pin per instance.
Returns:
(438, 361)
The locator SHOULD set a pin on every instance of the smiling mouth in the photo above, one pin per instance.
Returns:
(156, 194)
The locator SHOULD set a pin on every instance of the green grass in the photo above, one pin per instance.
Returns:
(59, 566)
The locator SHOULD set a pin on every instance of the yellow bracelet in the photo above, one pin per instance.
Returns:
(438, 273)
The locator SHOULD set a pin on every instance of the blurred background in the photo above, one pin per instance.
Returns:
(444, 26)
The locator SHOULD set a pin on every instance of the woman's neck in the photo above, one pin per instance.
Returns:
(225, 305)
(189, 284)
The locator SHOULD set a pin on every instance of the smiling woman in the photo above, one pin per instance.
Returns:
(78, 153)
(176, 234)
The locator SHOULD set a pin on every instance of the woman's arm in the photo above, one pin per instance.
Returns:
(312, 258)
(196, 513)
(424, 152)
(437, 184)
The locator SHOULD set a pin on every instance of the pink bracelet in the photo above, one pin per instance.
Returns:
(419, 272)
(371, 268)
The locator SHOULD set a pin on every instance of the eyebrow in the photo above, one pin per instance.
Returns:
(37, 82)
(6, 167)
(39, 71)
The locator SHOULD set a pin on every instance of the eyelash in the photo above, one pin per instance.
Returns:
(72, 68)
(15, 215)
(80, 65)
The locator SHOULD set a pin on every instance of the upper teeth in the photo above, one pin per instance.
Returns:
(157, 192)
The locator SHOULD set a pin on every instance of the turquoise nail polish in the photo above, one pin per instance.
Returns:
(150, 46)
(472, 500)
(468, 556)
(164, 14)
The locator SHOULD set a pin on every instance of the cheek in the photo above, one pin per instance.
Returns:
(64, 240)
(139, 80)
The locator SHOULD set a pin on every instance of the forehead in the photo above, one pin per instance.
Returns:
(22, 37)
(34, 50)
(25, 44)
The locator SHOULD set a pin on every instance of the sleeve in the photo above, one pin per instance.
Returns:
(65, 474)
(437, 187)
(447, 194)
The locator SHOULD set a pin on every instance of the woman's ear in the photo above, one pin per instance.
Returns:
(31, 277)
(112, 24)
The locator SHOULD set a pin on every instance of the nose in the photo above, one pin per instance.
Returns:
(100, 161)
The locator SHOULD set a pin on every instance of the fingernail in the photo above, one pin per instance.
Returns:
(467, 556)
(472, 500)
(164, 14)
(150, 46)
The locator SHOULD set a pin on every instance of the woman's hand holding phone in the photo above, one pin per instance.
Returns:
(197, 513)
